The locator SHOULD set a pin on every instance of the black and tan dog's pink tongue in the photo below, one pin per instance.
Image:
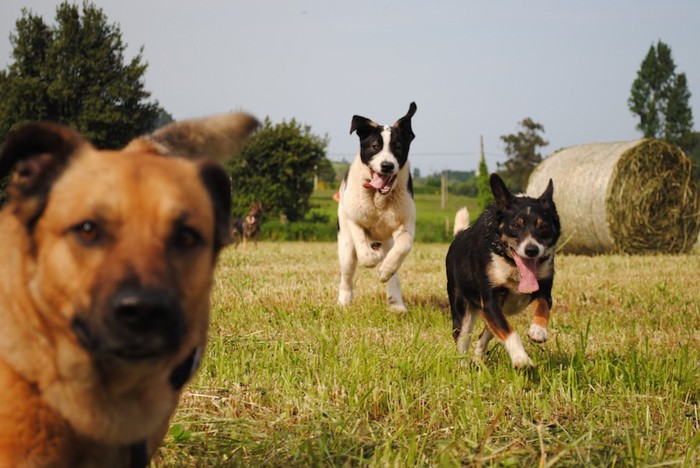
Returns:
(528, 273)
(377, 182)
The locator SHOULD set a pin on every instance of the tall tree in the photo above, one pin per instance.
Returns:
(75, 73)
(660, 97)
(484, 195)
(522, 149)
(276, 167)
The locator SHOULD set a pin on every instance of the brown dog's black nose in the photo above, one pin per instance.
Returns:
(143, 323)
(141, 310)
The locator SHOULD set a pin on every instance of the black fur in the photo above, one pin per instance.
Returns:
(371, 141)
(494, 234)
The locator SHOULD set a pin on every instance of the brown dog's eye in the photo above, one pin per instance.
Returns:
(88, 232)
(186, 238)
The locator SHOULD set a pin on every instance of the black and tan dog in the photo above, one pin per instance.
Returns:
(244, 229)
(107, 263)
(500, 265)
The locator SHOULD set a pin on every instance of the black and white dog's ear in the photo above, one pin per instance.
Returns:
(547, 197)
(403, 125)
(363, 126)
(501, 194)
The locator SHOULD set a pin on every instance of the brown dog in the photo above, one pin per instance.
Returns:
(246, 228)
(106, 270)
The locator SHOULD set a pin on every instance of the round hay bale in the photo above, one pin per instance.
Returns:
(624, 197)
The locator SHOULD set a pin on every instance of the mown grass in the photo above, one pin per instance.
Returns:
(290, 379)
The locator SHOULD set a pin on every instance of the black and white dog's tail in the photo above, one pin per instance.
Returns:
(461, 220)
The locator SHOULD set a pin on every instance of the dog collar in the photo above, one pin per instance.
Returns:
(138, 455)
(182, 373)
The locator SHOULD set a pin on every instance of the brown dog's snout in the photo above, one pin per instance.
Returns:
(136, 323)
(142, 311)
(145, 322)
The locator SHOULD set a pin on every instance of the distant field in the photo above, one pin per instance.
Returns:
(290, 379)
(433, 224)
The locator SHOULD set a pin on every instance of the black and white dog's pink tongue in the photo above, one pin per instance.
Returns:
(377, 182)
(528, 273)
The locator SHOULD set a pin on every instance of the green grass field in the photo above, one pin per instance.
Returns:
(291, 379)
(433, 223)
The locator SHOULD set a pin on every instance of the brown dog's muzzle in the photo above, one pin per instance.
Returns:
(135, 324)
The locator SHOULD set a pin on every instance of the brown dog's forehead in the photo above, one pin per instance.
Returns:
(131, 185)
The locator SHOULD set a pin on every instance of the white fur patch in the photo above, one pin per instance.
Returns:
(385, 155)
(516, 351)
(483, 344)
(461, 220)
(465, 332)
(527, 242)
(537, 333)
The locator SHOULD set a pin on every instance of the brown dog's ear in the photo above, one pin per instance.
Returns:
(218, 184)
(500, 192)
(217, 136)
(36, 154)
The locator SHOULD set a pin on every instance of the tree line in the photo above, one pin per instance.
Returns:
(75, 72)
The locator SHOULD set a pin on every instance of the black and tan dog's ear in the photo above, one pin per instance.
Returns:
(218, 137)
(501, 194)
(36, 154)
(547, 197)
(403, 125)
(218, 184)
(363, 126)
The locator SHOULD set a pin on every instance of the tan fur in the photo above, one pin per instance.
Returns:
(59, 404)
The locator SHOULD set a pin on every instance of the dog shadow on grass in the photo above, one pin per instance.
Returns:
(431, 301)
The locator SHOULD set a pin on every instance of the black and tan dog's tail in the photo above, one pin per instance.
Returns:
(218, 136)
(461, 220)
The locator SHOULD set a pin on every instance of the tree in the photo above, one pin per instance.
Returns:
(660, 97)
(75, 73)
(484, 195)
(690, 143)
(523, 156)
(276, 167)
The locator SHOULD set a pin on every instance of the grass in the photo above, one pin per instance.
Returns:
(291, 379)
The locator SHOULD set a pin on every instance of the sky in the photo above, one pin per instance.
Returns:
(474, 68)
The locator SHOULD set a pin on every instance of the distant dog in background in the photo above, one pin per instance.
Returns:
(376, 212)
(500, 265)
(243, 229)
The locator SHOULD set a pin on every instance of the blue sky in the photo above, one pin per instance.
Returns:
(473, 67)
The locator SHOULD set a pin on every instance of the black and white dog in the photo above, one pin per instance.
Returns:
(500, 265)
(376, 213)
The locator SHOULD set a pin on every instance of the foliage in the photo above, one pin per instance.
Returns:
(433, 224)
(276, 167)
(690, 144)
(458, 182)
(660, 97)
(523, 154)
(75, 73)
(484, 195)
